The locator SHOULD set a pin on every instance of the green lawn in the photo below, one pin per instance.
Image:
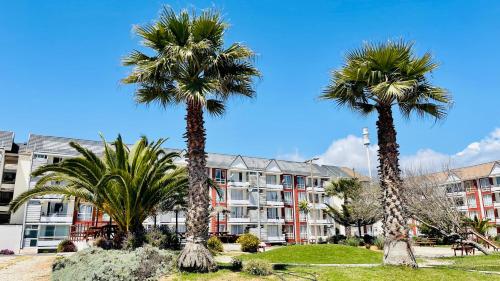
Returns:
(318, 254)
(485, 263)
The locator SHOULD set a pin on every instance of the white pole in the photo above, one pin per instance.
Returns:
(366, 143)
(258, 205)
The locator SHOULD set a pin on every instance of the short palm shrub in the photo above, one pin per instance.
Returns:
(248, 243)
(353, 241)
(215, 245)
(236, 264)
(66, 246)
(6, 252)
(336, 239)
(103, 243)
(258, 267)
(156, 238)
(145, 263)
(379, 242)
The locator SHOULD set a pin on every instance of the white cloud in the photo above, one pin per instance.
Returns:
(293, 156)
(350, 152)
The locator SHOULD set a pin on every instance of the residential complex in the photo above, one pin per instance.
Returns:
(254, 191)
(475, 190)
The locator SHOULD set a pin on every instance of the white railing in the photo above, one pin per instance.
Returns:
(236, 184)
(275, 220)
(238, 220)
(56, 217)
(274, 203)
(239, 202)
(276, 238)
(50, 242)
(274, 186)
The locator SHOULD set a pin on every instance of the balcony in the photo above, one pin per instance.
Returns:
(238, 202)
(56, 218)
(239, 185)
(275, 220)
(239, 219)
(288, 218)
(50, 242)
(317, 189)
(7, 187)
(10, 166)
(276, 238)
(274, 186)
(275, 203)
(318, 221)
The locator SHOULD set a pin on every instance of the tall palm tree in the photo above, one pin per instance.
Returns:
(480, 225)
(347, 189)
(304, 207)
(191, 66)
(375, 78)
(127, 184)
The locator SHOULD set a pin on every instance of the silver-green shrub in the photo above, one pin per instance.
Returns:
(146, 263)
(258, 267)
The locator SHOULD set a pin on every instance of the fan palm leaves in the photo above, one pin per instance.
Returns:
(190, 65)
(375, 78)
(480, 225)
(127, 184)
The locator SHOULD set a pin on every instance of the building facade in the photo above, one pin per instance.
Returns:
(257, 195)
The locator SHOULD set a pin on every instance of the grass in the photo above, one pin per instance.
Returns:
(319, 254)
(482, 262)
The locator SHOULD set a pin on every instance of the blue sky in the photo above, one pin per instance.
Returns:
(60, 71)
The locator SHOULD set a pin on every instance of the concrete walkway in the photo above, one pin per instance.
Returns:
(26, 268)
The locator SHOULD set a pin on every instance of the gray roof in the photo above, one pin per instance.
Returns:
(6, 140)
(60, 146)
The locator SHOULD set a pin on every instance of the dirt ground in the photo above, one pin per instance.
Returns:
(26, 268)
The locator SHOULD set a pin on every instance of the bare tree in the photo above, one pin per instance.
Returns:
(426, 200)
(366, 207)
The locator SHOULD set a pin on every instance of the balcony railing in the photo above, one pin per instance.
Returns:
(56, 217)
(51, 241)
(275, 220)
(237, 184)
(239, 219)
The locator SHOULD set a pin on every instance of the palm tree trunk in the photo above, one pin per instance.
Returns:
(195, 256)
(348, 230)
(397, 247)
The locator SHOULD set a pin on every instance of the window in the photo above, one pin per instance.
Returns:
(498, 181)
(270, 179)
(471, 201)
(303, 231)
(487, 201)
(52, 231)
(302, 196)
(9, 177)
(237, 229)
(237, 212)
(40, 156)
(272, 196)
(289, 230)
(468, 186)
(220, 176)
(302, 216)
(288, 213)
(56, 160)
(288, 197)
(237, 195)
(31, 231)
(287, 181)
(272, 213)
(459, 201)
(84, 212)
(454, 187)
(484, 182)
(490, 214)
(5, 198)
(473, 215)
(273, 230)
(236, 177)
(300, 182)
(220, 195)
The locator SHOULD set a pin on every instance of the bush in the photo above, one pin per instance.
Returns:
(66, 246)
(133, 241)
(321, 241)
(103, 243)
(146, 263)
(497, 238)
(336, 239)
(215, 245)
(156, 238)
(258, 267)
(6, 252)
(353, 241)
(368, 239)
(379, 242)
(248, 242)
(236, 264)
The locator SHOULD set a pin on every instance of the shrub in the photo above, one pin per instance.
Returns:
(353, 241)
(236, 264)
(336, 239)
(497, 238)
(321, 241)
(66, 246)
(103, 243)
(156, 238)
(6, 252)
(248, 242)
(258, 267)
(215, 245)
(133, 241)
(146, 263)
(368, 239)
(379, 242)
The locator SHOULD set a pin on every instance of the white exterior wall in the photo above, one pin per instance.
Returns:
(22, 185)
(11, 236)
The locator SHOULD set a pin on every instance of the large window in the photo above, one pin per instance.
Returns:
(85, 212)
(270, 179)
(497, 181)
(5, 198)
(471, 201)
(54, 231)
(288, 213)
(237, 195)
(484, 182)
(302, 196)
(236, 177)
(9, 177)
(272, 196)
(287, 181)
(237, 212)
(487, 200)
(288, 197)
(237, 229)
(303, 231)
(220, 176)
(272, 213)
(273, 230)
(490, 214)
(300, 182)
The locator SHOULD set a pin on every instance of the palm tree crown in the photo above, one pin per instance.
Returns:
(127, 184)
(383, 75)
(190, 63)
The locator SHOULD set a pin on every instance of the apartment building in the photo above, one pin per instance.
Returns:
(258, 195)
(476, 191)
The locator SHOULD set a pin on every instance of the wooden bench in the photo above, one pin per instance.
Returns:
(423, 241)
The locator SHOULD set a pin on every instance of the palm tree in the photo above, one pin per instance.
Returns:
(191, 66)
(375, 78)
(127, 184)
(304, 207)
(481, 226)
(347, 189)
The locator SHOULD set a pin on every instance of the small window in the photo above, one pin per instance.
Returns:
(9, 177)
(270, 179)
(56, 160)
(301, 183)
(287, 181)
(220, 176)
